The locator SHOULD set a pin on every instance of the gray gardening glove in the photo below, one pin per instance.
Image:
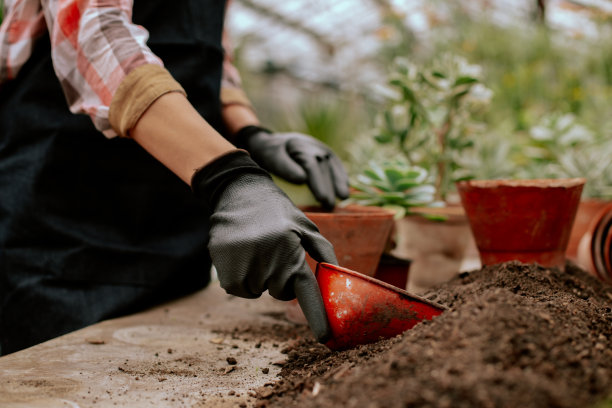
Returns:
(297, 158)
(258, 237)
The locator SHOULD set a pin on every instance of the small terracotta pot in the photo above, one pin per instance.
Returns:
(359, 235)
(524, 220)
(595, 247)
(393, 270)
(363, 310)
(587, 210)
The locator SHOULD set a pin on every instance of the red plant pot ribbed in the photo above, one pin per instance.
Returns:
(587, 210)
(521, 220)
(595, 248)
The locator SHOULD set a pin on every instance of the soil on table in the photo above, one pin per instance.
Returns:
(514, 336)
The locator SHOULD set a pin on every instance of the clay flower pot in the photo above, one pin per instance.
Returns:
(359, 235)
(393, 270)
(524, 220)
(587, 211)
(363, 310)
(594, 250)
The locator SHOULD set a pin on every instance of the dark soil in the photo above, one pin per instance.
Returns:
(514, 336)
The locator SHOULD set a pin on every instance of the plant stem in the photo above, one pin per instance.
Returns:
(441, 177)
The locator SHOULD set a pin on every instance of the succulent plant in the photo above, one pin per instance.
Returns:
(394, 185)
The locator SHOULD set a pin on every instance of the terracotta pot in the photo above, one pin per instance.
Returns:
(587, 210)
(523, 220)
(437, 249)
(363, 310)
(393, 270)
(595, 247)
(359, 235)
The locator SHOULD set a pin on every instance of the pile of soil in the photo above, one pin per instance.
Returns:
(514, 336)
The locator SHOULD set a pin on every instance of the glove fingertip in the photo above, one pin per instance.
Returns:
(311, 302)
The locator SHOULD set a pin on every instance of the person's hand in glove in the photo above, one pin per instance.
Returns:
(299, 159)
(258, 237)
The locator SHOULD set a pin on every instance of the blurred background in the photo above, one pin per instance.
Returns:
(323, 67)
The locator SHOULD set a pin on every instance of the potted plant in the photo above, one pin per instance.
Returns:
(429, 122)
(400, 188)
(558, 146)
(524, 220)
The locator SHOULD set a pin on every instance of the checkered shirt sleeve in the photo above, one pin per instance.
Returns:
(94, 46)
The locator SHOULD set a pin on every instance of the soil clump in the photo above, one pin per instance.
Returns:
(514, 335)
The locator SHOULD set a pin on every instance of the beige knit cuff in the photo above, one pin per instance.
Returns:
(138, 90)
(234, 96)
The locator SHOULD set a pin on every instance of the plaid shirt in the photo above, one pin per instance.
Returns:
(94, 45)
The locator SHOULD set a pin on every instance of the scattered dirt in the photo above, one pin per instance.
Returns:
(514, 335)
(276, 332)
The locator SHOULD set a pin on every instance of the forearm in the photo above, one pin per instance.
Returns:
(173, 132)
(237, 116)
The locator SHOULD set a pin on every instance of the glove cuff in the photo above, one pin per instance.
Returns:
(242, 136)
(209, 181)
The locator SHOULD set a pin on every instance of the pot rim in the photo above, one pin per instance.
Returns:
(351, 210)
(378, 282)
(536, 183)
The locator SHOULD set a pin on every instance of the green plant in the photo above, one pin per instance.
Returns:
(559, 146)
(607, 403)
(431, 116)
(393, 185)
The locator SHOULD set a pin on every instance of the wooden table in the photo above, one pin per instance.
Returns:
(176, 355)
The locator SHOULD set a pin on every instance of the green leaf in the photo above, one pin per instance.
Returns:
(404, 185)
(465, 80)
(393, 175)
(372, 174)
(435, 217)
(384, 138)
(460, 95)
(403, 135)
(426, 189)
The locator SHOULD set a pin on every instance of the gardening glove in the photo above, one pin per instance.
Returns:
(297, 158)
(258, 237)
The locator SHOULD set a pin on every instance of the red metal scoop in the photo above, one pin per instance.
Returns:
(363, 310)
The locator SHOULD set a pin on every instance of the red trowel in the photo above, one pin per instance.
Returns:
(363, 310)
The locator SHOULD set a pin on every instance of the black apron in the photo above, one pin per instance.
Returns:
(93, 228)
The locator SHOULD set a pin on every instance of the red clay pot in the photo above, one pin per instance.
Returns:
(393, 270)
(595, 247)
(359, 235)
(363, 310)
(587, 210)
(524, 220)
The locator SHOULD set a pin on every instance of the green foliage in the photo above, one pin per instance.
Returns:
(540, 77)
(559, 146)
(431, 116)
(535, 71)
(607, 403)
(394, 185)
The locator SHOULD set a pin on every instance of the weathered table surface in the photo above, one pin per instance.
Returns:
(175, 355)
